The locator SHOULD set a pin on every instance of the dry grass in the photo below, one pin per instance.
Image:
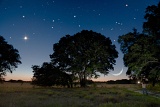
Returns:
(100, 95)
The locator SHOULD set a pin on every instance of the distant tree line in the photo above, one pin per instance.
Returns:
(15, 81)
(123, 81)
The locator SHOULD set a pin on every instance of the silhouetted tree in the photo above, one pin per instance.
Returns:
(43, 76)
(48, 75)
(152, 28)
(9, 57)
(141, 51)
(140, 56)
(152, 24)
(84, 54)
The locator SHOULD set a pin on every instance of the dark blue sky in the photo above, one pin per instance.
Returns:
(44, 22)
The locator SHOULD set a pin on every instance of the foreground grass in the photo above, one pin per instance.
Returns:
(17, 95)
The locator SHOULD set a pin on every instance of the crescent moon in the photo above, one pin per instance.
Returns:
(118, 73)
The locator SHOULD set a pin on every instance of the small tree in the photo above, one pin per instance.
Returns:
(9, 57)
(84, 54)
(48, 75)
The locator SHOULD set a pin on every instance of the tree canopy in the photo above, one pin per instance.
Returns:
(84, 54)
(152, 24)
(9, 57)
(141, 51)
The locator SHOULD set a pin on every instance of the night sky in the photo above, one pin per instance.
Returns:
(33, 26)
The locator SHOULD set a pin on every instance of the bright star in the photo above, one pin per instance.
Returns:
(25, 38)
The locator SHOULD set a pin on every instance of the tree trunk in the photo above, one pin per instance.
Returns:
(155, 80)
(83, 83)
(153, 83)
(83, 80)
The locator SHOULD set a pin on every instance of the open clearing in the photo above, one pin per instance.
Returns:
(101, 95)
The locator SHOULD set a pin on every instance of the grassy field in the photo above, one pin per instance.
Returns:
(101, 95)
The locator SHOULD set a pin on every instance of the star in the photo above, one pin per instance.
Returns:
(23, 16)
(74, 16)
(126, 5)
(25, 38)
(119, 23)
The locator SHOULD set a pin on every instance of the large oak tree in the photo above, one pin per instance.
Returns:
(84, 54)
